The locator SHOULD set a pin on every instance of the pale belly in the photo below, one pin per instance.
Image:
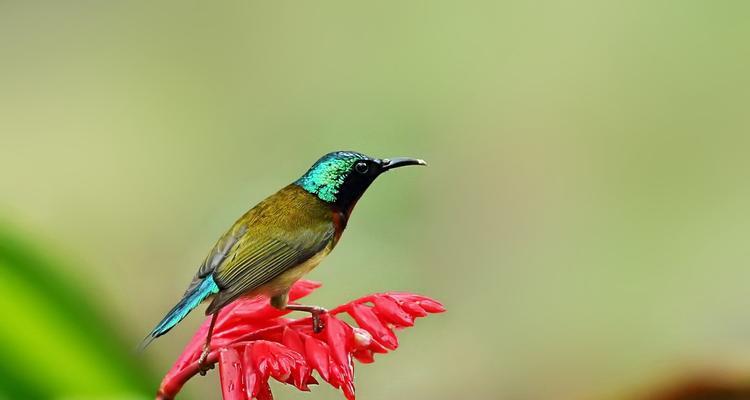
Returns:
(283, 282)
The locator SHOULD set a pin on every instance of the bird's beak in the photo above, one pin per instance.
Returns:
(387, 164)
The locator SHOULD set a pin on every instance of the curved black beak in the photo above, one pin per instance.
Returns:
(391, 163)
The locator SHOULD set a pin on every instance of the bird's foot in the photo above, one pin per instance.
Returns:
(317, 322)
(203, 367)
(315, 312)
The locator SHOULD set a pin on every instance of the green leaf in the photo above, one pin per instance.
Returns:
(55, 340)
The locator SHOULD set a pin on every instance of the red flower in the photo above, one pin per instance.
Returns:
(253, 342)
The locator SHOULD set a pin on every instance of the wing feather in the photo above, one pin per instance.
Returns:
(217, 255)
(258, 260)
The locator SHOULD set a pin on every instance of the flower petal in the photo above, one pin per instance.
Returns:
(300, 372)
(431, 305)
(264, 393)
(339, 336)
(253, 381)
(348, 389)
(336, 375)
(365, 356)
(270, 356)
(250, 308)
(414, 309)
(376, 347)
(230, 372)
(302, 288)
(317, 355)
(428, 304)
(301, 377)
(392, 312)
(367, 320)
(290, 338)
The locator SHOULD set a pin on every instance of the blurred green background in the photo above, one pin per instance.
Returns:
(585, 216)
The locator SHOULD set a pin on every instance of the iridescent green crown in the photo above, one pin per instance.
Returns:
(325, 177)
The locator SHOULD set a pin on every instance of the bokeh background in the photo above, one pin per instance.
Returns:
(585, 216)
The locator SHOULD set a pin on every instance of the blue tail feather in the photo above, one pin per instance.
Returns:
(189, 301)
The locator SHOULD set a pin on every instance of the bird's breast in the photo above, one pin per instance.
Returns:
(286, 279)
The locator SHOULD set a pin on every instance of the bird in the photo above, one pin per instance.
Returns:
(280, 240)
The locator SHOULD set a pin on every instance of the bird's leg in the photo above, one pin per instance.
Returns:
(315, 311)
(207, 347)
(281, 302)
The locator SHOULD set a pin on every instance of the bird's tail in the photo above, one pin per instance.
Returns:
(189, 301)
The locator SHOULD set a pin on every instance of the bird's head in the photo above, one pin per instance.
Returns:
(341, 177)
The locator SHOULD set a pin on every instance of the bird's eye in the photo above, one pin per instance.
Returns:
(361, 167)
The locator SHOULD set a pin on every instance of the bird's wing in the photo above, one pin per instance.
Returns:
(255, 259)
(218, 254)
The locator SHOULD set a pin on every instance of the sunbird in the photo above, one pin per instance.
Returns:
(280, 240)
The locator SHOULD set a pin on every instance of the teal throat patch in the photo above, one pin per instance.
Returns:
(325, 177)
